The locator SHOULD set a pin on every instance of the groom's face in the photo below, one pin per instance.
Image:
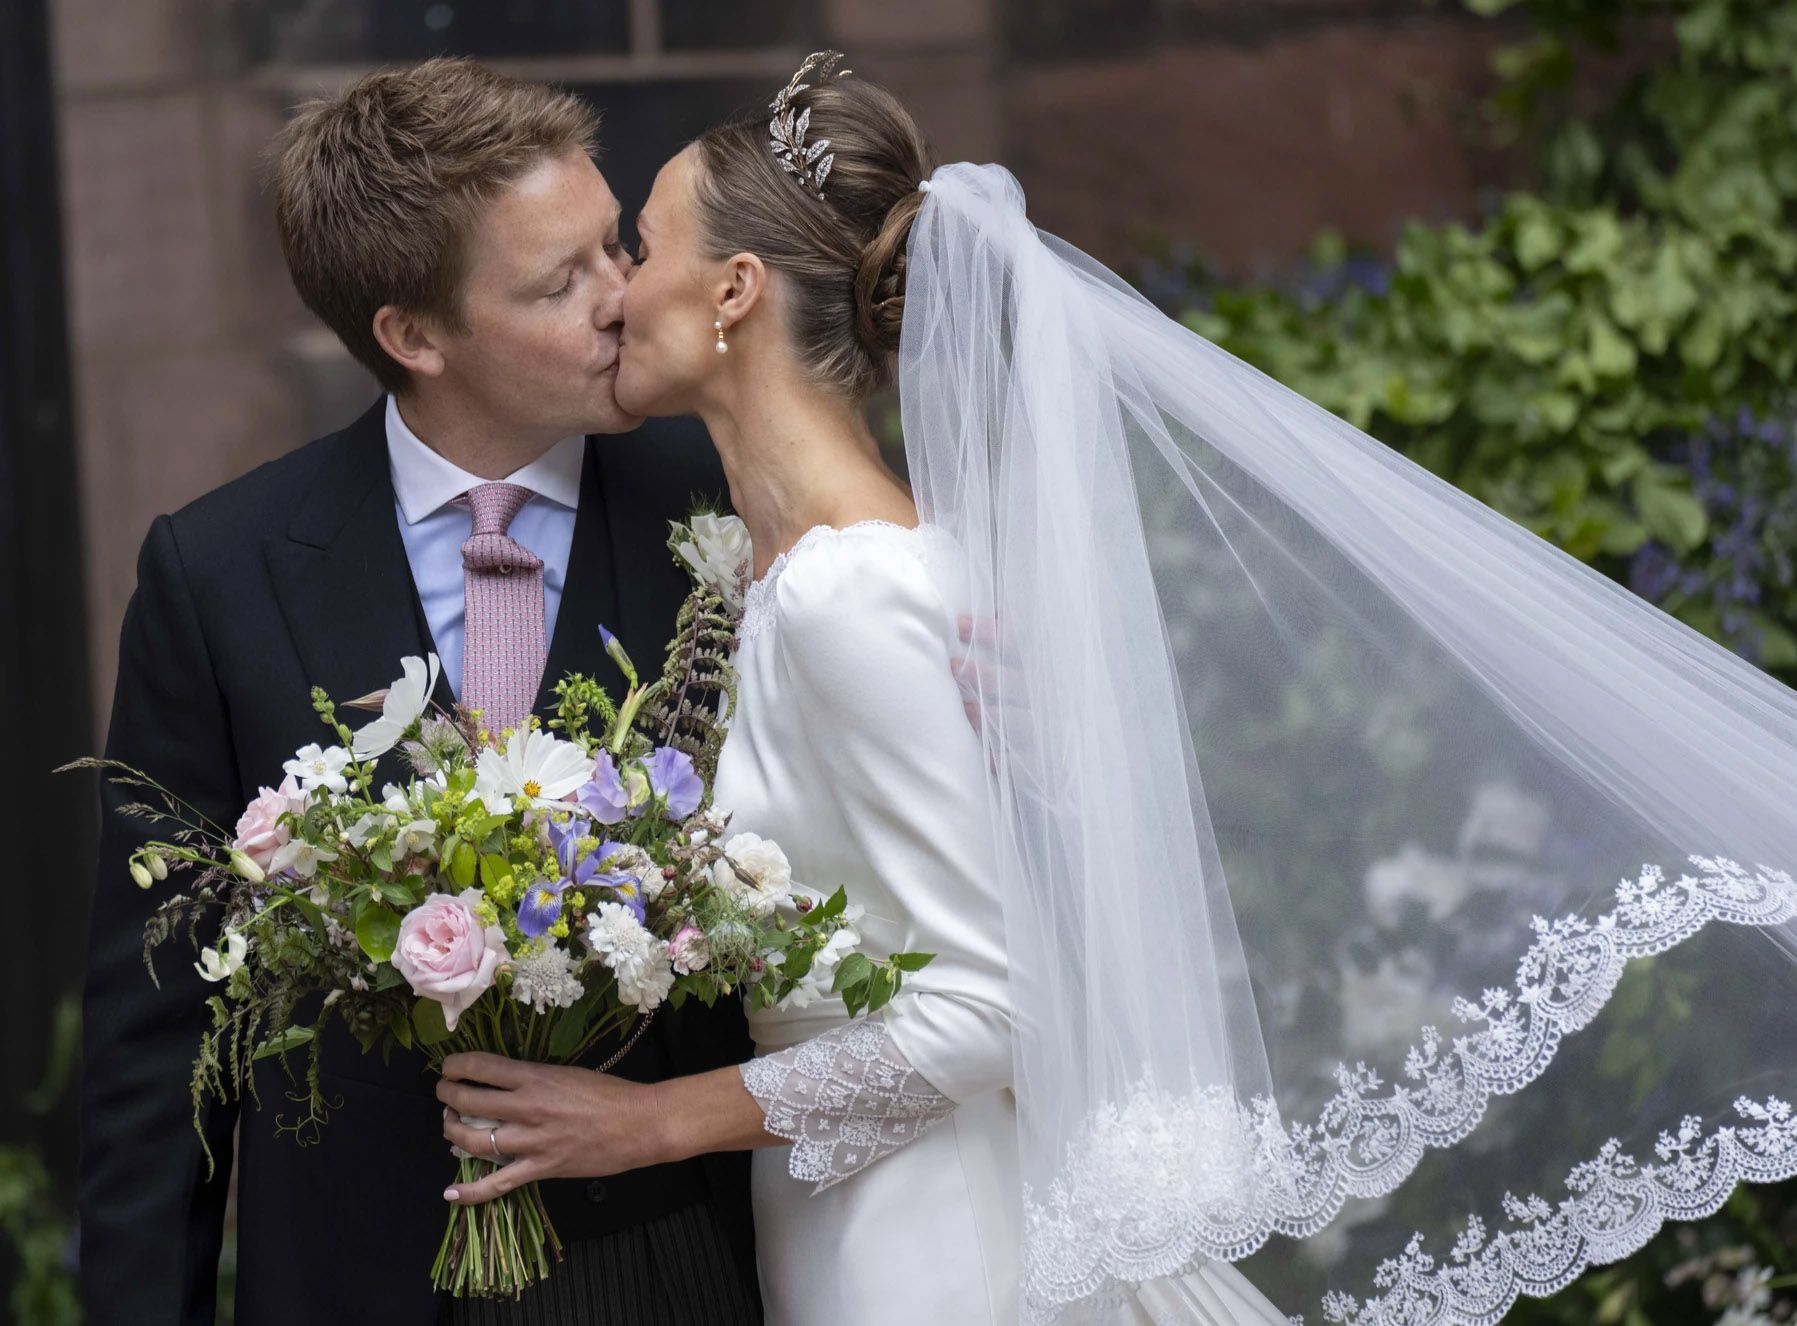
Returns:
(542, 302)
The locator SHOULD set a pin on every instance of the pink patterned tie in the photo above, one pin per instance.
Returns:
(504, 648)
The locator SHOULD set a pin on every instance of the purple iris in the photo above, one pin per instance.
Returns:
(541, 906)
(671, 775)
(603, 795)
(626, 889)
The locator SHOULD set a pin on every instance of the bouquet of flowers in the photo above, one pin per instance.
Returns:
(528, 893)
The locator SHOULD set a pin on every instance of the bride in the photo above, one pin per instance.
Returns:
(1286, 757)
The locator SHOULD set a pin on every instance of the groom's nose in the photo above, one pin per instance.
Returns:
(608, 306)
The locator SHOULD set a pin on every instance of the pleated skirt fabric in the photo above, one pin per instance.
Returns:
(675, 1270)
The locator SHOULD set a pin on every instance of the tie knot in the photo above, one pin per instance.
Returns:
(494, 505)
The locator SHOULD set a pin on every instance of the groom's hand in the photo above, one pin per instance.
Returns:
(984, 672)
(550, 1122)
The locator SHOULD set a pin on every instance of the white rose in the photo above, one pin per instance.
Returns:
(761, 877)
(720, 556)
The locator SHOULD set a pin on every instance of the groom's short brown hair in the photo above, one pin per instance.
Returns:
(378, 188)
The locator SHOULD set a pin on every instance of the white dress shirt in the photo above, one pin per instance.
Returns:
(424, 486)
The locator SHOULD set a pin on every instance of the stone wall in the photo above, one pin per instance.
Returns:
(1240, 125)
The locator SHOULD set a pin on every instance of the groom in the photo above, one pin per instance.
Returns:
(449, 225)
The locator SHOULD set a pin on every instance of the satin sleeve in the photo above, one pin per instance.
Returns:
(866, 638)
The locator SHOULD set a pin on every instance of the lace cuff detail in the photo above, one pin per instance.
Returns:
(844, 1099)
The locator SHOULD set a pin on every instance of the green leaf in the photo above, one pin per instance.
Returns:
(1537, 241)
(856, 969)
(879, 989)
(912, 961)
(798, 962)
(1670, 515)
(573, 1023)
(1612, 354)
(493, 869)
(377, 930)
(381, 858)
(288, 1038)
(1778, 647)
(427, 1021)
(1702, 343)
(397, 893)
(463, 865)
(1599, 241)
(1623, 537)
(477, 830)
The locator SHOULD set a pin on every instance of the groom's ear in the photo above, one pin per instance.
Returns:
(409, 339)
(742, 287)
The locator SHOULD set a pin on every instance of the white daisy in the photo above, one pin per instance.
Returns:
(535, 765)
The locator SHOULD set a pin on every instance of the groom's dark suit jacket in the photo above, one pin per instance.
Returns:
(290, 577)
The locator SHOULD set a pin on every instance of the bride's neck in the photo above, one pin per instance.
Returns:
(797, 457)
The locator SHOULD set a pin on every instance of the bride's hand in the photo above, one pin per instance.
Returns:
(554, 1122)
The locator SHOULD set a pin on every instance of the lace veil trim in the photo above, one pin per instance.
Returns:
(1199, 1174)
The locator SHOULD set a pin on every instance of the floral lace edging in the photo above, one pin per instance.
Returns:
(1617, 1206)
(1160, 1181)
(844, 1099)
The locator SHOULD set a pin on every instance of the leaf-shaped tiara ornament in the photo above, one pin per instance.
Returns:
(809, 164)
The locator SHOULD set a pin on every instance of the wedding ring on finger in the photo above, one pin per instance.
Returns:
(493, 1140)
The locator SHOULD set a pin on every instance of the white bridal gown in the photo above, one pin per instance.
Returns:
(898, 1200)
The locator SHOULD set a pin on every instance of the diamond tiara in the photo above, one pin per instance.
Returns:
(809, 164)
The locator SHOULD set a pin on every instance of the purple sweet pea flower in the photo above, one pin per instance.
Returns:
(671, 774)
(541, 906)
(603, 796)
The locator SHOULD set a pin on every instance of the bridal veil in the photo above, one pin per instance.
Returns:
(1391, 900)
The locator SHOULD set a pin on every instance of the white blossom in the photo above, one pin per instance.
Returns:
(319, 768)
(815, 983)
(403, 706)
(638, 959)
(416, 838)
(299, 856)
(755, 873)
(720, 556)
(536, 766)
(546, 979)
(217, 964)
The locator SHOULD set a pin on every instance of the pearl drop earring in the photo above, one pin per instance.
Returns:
(722, 345)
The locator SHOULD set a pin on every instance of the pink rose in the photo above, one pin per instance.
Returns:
(446, 954)
(689, 950)
(260, 833)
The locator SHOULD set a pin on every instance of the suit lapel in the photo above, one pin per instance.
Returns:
(340, 571)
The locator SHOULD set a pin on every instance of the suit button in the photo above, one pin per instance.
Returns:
(596, 1190)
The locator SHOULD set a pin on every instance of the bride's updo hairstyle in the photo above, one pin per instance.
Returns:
(841, 255)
